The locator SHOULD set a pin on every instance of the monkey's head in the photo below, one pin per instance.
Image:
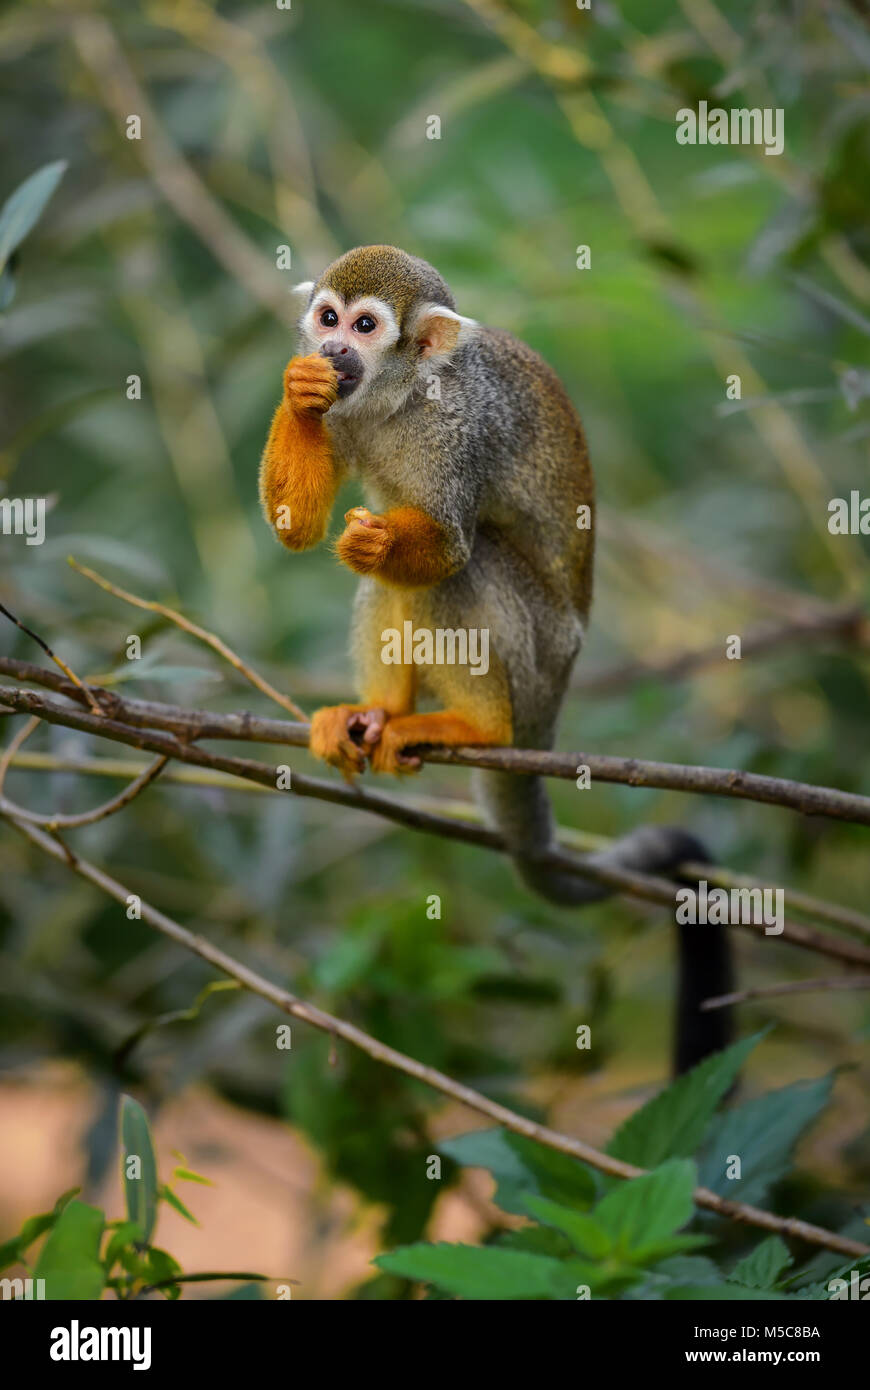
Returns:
(385, 320)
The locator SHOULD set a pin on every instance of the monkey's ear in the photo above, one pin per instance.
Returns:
(438, 331)
(303, 289)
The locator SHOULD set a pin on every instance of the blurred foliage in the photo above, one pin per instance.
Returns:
(306, 127)
(602, 1237)
(85, 1255)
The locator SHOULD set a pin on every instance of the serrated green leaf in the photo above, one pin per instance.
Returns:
(482, 1272)
(70, 1259)
(521, 1166)
(556, 1175)
(583, 1231)
(761, 1268)
(25, 206)
(141, 1192)
(674, 1123)
(720, 1293)
(762, 1133)
(642, 1214)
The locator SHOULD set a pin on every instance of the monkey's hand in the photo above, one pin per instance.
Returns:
(298, 476)
(405, 546)
(310, 385)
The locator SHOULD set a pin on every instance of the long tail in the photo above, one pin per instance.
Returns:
(519, 808)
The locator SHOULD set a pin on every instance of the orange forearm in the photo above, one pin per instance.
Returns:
(405, 546)
(298, 475)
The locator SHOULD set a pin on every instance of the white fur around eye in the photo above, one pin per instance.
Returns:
(381, 312)
(323, 301)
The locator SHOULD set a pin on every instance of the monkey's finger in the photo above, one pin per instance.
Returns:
(362, 516)
(309, 401)
(327, 380)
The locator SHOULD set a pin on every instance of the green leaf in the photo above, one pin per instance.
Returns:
(70, 1259)
(674, 1123)
(12, 1251)
(188, 1175)
(555, 1174)
(169, 1196)
(160, 1268)
(762, 1133)
(584, 1232)
(349, 960)
(482, 1272)
(25, 206)
(673, 1271)
(641, 1215)
(720, 1292)
(762, 1267)
(126, 1233)
(141, 1192)
(522, 1166)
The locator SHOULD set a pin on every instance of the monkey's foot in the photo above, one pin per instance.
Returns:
(366, 726)
(310, 384)
(331, 740)
(388, 754)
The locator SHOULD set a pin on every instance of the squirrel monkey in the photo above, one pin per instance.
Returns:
(474, 465)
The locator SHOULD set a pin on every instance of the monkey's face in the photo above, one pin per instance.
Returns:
(357, 337)
(374, 314)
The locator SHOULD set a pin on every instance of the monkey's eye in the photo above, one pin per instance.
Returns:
(329, 318)
(365, 324)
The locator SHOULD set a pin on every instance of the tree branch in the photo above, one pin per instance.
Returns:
(210, 638)
(52, 821)
(633, 772)
(721, 1001)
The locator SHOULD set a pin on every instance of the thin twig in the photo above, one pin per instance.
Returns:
(210, 638)
(338, 1028)
(108, 808)
(14, 745)
(58, 661)
(848, 624)
(740, 996)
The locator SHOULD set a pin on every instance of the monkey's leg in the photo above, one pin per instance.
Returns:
(343, 734)
(449, 728)
(298, 474)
